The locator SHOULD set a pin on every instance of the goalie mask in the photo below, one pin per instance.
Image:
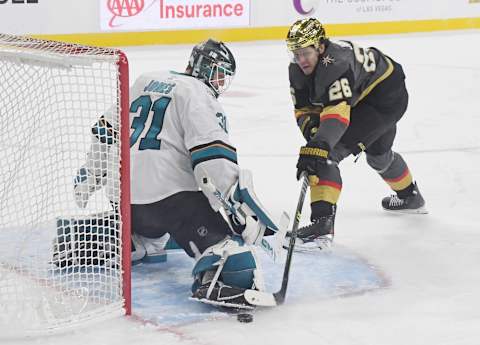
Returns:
(304, 33)
(213, 63)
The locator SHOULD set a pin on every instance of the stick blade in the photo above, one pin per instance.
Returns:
(260, 298)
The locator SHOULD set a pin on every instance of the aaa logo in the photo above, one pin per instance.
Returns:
(124, 8)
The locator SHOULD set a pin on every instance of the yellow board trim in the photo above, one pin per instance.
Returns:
(116, 39)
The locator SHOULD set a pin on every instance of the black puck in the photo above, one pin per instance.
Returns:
(245, 317)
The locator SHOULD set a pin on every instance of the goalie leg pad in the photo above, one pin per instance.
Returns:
(238, 266)
(149, 250)
(87, 241)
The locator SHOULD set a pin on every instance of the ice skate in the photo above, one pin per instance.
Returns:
(318, 235)
(413, 203)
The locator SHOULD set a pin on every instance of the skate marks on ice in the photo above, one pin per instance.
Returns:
(160, 291)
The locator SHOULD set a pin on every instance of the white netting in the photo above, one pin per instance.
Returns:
(60, 265)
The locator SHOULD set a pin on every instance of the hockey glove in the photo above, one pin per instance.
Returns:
(85, 184)
(102, 155)
(312, 158)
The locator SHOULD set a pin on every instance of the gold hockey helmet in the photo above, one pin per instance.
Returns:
(305, 32)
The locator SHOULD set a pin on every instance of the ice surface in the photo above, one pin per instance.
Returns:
(430, 261)
(161, 291)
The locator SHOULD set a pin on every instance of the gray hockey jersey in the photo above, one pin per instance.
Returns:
(345, 71)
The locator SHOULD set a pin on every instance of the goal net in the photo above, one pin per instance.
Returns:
(61, 265)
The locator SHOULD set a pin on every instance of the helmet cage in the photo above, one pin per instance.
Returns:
(210, 66)
(220, 77)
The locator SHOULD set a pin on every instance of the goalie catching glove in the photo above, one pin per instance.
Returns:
(101, 158)
(85, 184)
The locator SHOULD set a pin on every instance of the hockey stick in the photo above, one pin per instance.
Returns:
(267, 299)
(280, 295)
(272, 250)
(263, 298)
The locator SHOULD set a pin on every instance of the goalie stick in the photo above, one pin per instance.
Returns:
(272, 249)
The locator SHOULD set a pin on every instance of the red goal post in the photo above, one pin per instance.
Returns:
(62, 265)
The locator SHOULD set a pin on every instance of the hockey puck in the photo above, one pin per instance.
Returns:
(245, 317)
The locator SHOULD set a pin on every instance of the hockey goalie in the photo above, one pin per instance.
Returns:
(178, 140)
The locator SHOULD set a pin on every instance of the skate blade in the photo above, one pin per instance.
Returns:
(322, 244)
(421, 210)
(222, 303)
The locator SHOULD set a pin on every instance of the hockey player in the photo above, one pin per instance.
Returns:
(179, 140)
(347, 100)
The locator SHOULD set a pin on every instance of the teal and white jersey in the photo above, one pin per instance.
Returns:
(178, 134)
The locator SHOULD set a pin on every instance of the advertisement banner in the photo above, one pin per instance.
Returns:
(92, 19)
(48, 17)
(365, 11)
(141, 15)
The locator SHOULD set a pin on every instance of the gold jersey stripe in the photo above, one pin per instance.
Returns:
(376, 82)
(307, 110)
(341, 109)
(324, 193)
(304, 124)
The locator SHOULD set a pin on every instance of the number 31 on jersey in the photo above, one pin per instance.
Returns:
(146, 106)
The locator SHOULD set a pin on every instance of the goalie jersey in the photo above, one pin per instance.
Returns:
(178, 134)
